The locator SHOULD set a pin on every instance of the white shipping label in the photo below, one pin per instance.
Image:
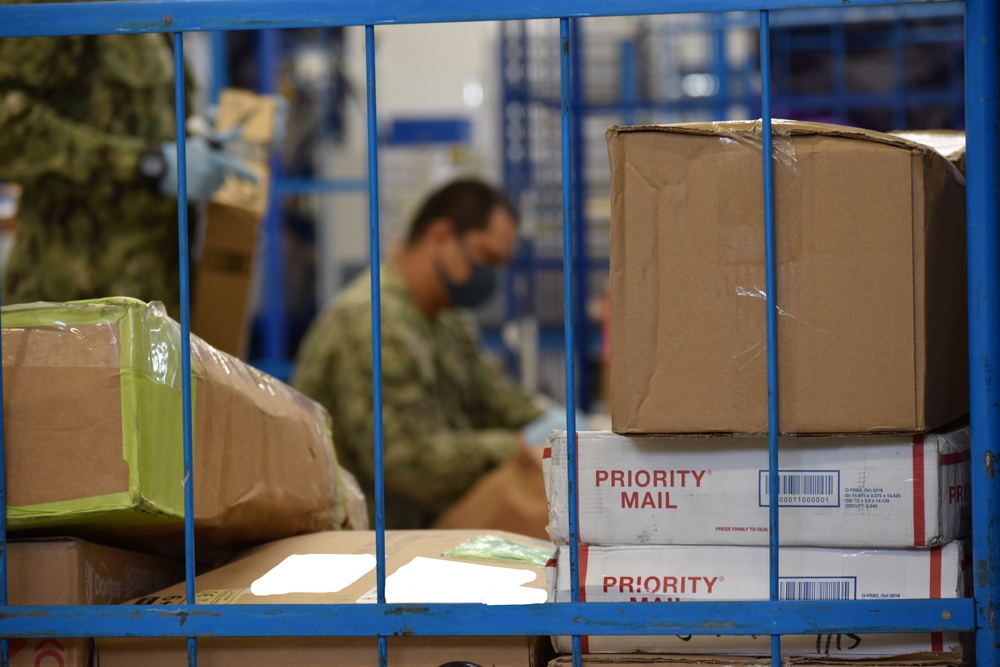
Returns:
(873, 490)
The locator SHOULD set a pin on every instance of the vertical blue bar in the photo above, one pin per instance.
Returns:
(185, 289)
(4, 646)
(772, 310)
(275, 347)
(219, 41)
(574, 531)
(720, 68)
(629, 88)
(838, 46)
(578, 182)
(983, 220)
(897, 40)
(374, 260)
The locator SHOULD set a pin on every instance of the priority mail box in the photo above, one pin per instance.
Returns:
(339, 568)
(681, 660)
(871, 281)
(870, 490)
(676, 574)
(65, 571)
(93, 427)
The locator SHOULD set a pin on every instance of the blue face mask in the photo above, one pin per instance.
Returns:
(476, 290)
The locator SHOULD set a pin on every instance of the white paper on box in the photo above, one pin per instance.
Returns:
(872, 490)
(668, 574)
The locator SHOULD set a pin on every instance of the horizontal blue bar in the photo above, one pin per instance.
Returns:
(359, 620)
(419, 131)
(195, 15)
(296, 186)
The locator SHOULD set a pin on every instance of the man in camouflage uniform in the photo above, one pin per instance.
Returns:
(77, 113)
(449, 415)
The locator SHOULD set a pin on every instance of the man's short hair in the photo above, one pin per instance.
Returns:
(467, 202)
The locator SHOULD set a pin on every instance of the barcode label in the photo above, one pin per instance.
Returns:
(816, 588)
(802, 488)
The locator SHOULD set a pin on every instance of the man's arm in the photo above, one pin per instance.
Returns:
(35, 139)
(426, 460)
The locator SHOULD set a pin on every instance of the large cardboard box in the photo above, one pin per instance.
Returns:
(852, 491)
(871, 284)
(66, 571)
(410, 557)
(93, 426)
(220, 300)
(674, 574)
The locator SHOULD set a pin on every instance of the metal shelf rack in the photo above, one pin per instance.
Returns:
(380, 620)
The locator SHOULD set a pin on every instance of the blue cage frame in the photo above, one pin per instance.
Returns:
(381, 620)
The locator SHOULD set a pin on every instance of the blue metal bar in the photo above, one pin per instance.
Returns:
(275, 339)
(65, 18)
(185, 294)
(565, 92)
(565, 618)
(770, 271)
(375, 264)
(719, 66)
(629, 88)
(983, 224)
(297, 186)
(220, 65)
(578, 183)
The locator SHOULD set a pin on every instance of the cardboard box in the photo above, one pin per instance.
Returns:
(235, 584)
(511, 497)
(680, 660)
(220, 300)
(92, 403)
(871, 281)
(949, 143)
(670, 574)
(851, 491)
(67, 571)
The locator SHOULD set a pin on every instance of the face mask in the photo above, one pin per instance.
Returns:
(476, 290)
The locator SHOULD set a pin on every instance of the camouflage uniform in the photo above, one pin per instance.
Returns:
(76, 113)
(449, 415)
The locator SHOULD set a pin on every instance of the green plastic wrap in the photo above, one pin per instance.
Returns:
(501, 549)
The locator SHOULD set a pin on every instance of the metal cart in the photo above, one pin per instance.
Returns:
(774, 617)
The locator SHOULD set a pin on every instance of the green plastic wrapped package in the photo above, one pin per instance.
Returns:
(94, 436)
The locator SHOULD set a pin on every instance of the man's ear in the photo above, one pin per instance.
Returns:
(440, 230)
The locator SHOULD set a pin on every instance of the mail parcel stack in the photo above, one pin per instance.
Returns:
(873, 468)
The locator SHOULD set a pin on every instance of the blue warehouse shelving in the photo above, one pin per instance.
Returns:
(575, 618)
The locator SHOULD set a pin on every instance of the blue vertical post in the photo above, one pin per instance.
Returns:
(185, 289)
(719, 68)
(374, 260)
(629, 84)
(219, 42)
(4, 646)
(983, 220)
(771, 281)
(567, 170)
(897, 41)
(838, 46)
(275, 338)
(578, 180)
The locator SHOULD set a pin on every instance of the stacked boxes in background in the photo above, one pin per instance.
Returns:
(73, 572)
(872, 358)
(93, 446)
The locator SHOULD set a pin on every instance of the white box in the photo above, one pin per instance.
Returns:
(666, 574)
(870, 491)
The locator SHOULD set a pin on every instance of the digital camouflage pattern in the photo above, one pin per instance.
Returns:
(76, 113)
(449, 414)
